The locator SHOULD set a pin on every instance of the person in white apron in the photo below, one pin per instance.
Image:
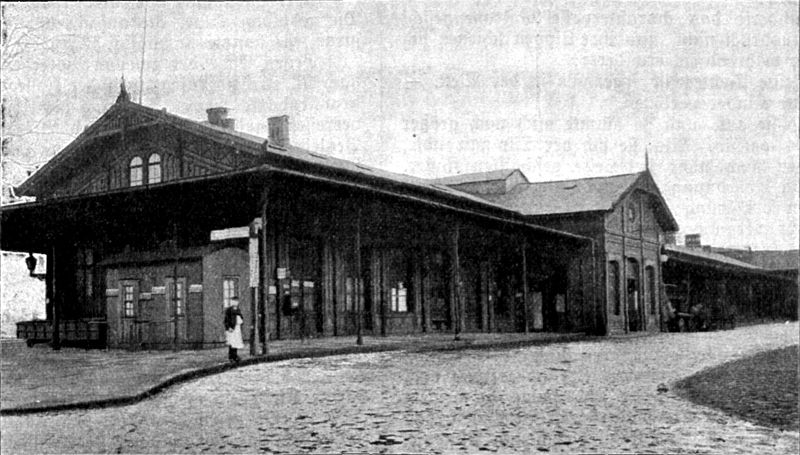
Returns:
(233, 330)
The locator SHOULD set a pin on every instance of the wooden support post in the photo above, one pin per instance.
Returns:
(624, 290)
(358, 287)
(525, 284)
(175, 287)
(56, 341)
(643, 284)
(455, 276)
(253, 258)
(265, 273)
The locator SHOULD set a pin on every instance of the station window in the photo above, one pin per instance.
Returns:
(154, 169)
(230, 290)
(128, 302)
(178, 299)
(399, 298)
(613, 281)
(136, 171)
(651, 285)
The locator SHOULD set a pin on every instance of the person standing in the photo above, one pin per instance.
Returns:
(233, 330)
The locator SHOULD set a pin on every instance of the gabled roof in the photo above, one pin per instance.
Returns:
(242, 141)
(567, 196)
(488, 176)
(318, 164)
(593, 194)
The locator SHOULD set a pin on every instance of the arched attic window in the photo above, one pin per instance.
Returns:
(154, 169)
(135, 171)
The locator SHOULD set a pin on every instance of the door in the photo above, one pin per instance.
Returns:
(175, 310)
(633, 292)
(129, 310)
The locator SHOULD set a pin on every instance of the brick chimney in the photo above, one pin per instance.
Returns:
(279, 130)
(218, 116)
(692, 241)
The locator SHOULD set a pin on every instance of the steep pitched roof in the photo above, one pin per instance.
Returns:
(498, 174)
(593, 194)
(109, 123)
(567, 196)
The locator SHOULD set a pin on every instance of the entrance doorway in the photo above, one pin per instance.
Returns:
(633, 286)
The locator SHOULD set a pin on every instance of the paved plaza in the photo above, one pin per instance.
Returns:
(588, 396)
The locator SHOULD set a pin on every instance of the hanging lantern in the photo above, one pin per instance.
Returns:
(30, 261)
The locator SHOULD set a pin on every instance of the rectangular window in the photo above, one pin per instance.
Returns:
(349, 294)
(175, 295)
(651, 288)
(398, 298)
(613, 283)
(230, 291)
(128, 302)
(179, 299)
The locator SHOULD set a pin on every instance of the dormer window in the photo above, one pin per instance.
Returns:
(136, 171)
(154, 169)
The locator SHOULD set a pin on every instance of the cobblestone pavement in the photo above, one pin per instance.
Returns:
(576, 397)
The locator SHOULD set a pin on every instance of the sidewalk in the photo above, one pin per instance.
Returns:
(39, 379)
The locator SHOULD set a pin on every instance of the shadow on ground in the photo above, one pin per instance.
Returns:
(762, 389)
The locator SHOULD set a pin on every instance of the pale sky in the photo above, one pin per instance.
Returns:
(560, 91)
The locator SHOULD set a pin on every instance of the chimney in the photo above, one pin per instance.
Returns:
(218, 116)
(692, 241)
(279, 130)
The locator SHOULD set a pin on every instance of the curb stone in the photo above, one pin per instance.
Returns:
(192, 374)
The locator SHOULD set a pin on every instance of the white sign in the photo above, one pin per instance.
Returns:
(112, 292)
(145, 296)
(281, 273)
(230, 233)
(158, 290)
(195, 288)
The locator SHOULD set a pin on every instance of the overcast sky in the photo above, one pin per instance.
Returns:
(560, 91)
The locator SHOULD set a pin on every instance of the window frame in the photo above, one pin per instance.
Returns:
(136, 167)
(128, 306)
(614, 276)
(650, 282)
(226, 299)
(154, 165)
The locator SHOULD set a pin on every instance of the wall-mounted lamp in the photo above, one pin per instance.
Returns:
(30, 262)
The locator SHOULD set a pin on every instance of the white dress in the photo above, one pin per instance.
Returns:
(234, 337)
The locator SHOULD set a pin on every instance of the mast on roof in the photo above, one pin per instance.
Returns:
(123, 96)
(141, 67)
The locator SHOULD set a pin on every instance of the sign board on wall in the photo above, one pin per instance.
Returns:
(230, 233)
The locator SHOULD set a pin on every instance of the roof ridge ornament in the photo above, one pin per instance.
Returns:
(123, 96)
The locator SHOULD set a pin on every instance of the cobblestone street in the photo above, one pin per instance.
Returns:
(576, 397)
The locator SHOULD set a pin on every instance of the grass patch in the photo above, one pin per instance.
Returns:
(762, 389)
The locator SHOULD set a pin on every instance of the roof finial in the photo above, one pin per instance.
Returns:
(123, 92)
(646, 160)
